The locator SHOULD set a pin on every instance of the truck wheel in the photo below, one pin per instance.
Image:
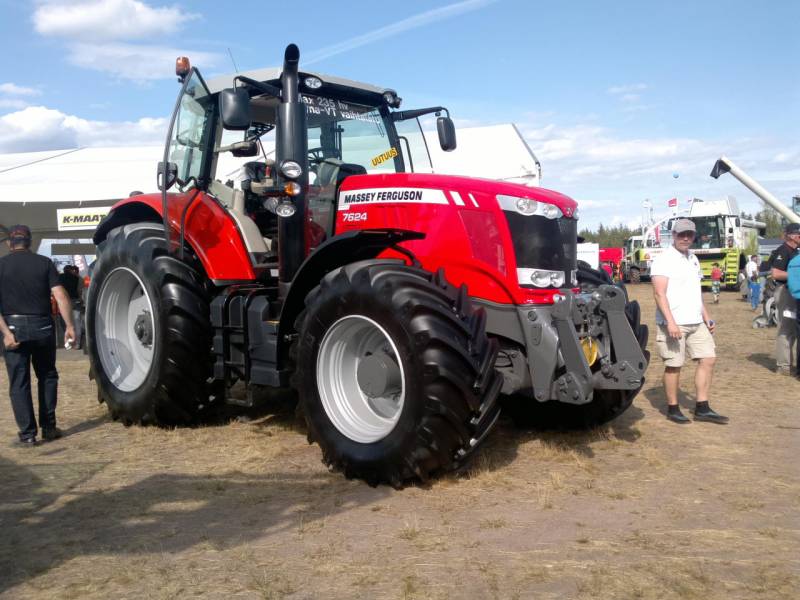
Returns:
(395, 372)
(636, 276)
(148, 327)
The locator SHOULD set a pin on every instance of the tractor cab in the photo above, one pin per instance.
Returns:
(291, 154)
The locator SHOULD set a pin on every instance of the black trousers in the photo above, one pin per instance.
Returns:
(37, 345)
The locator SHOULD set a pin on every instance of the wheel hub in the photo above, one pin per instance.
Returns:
(143, 329)
(360, 379)
(379, 375)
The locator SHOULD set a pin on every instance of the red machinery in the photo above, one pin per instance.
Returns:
(398, 304)
(612, 257)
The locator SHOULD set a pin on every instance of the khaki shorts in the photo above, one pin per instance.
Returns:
(697, 342)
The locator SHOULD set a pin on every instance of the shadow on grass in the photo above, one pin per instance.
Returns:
(566, 434)
(763, 360)
(46, 521)
(658, 400)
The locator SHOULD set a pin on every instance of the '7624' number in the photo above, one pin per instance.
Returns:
(354, 217)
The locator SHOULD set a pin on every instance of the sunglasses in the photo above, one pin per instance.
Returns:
(685, 234)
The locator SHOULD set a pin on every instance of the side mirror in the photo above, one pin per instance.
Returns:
(171, 172)
(234, 109)
(248, 148)
(447, 133)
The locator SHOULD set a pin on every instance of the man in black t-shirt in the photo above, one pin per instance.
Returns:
(787, 329)
(26, 323)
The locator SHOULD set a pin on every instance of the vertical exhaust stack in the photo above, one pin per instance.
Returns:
(291, 144)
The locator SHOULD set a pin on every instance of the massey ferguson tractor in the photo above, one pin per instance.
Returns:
(398, 304)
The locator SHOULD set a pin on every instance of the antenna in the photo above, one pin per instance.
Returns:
(235, 68)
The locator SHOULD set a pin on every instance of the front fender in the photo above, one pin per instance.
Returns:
(340, 250)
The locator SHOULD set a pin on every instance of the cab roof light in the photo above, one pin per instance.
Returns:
(182, 68)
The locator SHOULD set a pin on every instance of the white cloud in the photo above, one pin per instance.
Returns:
(12, 103)
(107, 19)
(611, 174)
(135, 62)
(38, 128)
(13, 89)
(398, 27)
(626, 89)
(630, 98)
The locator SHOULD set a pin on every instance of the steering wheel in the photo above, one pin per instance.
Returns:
(315, 155)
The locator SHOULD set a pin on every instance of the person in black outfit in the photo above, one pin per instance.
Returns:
(785, 355)
(26, 282)
(72, 282)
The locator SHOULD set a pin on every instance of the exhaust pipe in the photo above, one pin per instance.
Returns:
(291, 143)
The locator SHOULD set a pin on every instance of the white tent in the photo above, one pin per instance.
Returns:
(91, 174)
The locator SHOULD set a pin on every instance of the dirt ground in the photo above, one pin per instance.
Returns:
(641, 508)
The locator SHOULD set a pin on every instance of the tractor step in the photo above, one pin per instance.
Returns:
(245, 344)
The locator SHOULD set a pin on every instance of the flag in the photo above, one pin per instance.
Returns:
(672, 203)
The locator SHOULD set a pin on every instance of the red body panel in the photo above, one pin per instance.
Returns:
(467, 233)
(612, 255)
(209, 230)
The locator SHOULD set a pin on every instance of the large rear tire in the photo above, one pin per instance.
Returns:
(395, 372)
(149, 332)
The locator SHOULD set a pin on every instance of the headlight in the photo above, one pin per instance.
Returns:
(312, 83)
(529, 206)
(291, 169)
(285, 208)
(526, 206)
(551, 212)
(542, 278)
(557, 278)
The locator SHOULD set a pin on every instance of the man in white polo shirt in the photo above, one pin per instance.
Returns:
(684, 327)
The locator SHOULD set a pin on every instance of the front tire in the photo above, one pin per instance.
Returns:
(148, 328)
(395, 372)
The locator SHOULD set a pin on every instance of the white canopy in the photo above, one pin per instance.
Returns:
(109, 174)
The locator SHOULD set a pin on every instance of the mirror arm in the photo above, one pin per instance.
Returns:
(404, 115)
(264, 87)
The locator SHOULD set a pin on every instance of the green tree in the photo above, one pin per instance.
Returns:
(608, 237)
(773, 220)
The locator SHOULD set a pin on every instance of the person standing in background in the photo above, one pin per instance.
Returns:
(73, 284)
(684, 326)
(751, 272)
(785, 357)
(26, 282)
(716, 278)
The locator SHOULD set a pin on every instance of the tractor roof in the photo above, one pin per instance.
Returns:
(273, 75)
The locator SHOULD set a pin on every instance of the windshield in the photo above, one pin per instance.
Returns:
(350, 133)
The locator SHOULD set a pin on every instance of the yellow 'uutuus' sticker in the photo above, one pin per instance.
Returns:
(382, 158)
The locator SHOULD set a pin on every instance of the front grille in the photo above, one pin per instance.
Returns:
(542, 243)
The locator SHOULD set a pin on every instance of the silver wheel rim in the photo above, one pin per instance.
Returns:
(356, 353)
(124, 317)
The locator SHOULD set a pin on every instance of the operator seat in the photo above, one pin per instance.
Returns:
(332, 172)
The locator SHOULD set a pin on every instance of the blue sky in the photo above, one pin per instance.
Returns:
(613, 97)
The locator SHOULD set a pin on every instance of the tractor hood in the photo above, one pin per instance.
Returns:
(459, 191)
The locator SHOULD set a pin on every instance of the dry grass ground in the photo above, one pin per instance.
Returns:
(639, 509)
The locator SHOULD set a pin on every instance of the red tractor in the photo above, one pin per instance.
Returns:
(399, 304)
